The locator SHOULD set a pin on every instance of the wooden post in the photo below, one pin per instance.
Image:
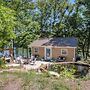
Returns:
(11, 55)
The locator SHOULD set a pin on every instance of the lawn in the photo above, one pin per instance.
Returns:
(33, 81)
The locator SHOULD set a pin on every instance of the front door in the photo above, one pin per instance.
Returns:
(47, 53)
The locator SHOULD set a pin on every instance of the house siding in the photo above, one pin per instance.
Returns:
(40, 51)
(56, 52)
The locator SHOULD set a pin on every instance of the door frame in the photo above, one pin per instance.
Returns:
(50, 52)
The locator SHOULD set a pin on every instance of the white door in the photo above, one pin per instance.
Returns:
(48, 53)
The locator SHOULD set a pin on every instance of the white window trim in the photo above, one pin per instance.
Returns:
(45, 51)
(66, 52)
(74, 54)
(35, 51)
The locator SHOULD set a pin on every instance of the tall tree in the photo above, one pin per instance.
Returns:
(87, 19)
(26, 28)
(7, 23)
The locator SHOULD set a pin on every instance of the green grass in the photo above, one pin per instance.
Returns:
(33, 81)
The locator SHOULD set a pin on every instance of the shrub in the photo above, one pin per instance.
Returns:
(64, 70)
(68, 73)
(2, 63)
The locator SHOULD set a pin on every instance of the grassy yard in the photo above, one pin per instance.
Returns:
(34, 81)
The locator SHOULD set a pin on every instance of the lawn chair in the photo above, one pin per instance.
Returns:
(32, 60)
(19, 60)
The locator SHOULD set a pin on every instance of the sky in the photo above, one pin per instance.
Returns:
(72, 1)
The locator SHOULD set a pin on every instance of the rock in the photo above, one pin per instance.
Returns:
(54, 73)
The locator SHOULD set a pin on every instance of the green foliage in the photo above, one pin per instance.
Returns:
(66, 71)
(44, 18)
(2, 64)
(7, 23)
(26, 29)
(31, 28)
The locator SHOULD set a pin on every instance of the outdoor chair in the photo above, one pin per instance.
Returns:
(26, 61)
(61, 59)
(19, 60)
(32, 62)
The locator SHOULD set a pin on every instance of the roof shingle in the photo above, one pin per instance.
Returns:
(70, 41)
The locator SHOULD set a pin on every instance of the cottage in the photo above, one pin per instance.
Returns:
(54, 48)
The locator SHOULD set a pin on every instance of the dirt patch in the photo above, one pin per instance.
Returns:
(77, 84)
(13, 85)
(85, 85)
(32, 81)
(72, 84)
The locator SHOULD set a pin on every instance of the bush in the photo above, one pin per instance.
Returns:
(2, 63)
(64, 70)
(68, 73)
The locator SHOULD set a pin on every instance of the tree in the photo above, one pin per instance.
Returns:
(7, 23)
(26, 28)
(29, 32)
(48, 18)
(87, 21)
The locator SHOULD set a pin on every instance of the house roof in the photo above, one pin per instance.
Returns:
(71, 42)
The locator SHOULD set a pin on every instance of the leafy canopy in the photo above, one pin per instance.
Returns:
(7, 23)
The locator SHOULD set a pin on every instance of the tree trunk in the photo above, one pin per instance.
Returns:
(16, 51)
(83, 52)
(23, 52)
(27, 52)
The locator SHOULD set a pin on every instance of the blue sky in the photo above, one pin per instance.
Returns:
(72, 1)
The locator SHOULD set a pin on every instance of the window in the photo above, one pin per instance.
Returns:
(36, 50)
(64, 52)
(47, 52)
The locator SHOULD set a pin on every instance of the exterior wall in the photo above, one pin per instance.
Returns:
(40, 51)
(56, 52)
